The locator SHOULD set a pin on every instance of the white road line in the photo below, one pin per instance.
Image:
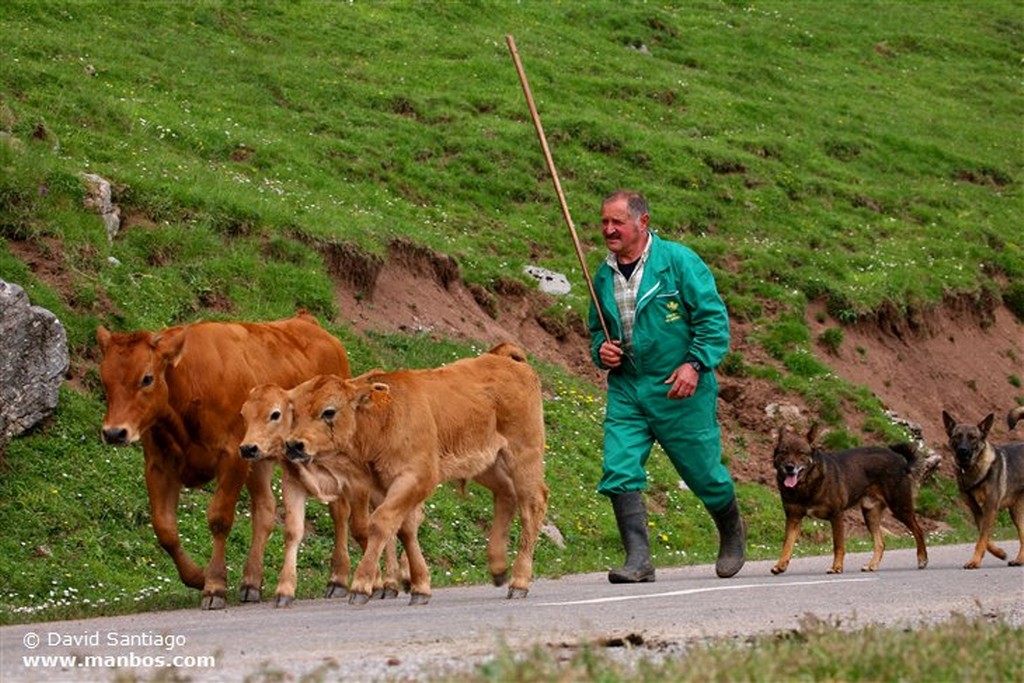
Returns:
(691, 591)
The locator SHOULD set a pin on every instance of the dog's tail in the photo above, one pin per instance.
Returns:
(921, 460)
(907, 450)
(1013, 416)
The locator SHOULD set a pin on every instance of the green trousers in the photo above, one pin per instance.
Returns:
(638, 414)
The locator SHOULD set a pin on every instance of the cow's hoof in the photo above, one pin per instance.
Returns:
(390, 593)
(419, 599)
(213, 601)
(499, 579)
(377, 594)
(335, 590)
(284, 601)
(517, 593)
(358, 598)
(249, 594)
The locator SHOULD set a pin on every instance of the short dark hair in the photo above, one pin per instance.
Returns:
(636, 203)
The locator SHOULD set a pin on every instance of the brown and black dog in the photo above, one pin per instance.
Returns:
(825, 484)
(990, 478)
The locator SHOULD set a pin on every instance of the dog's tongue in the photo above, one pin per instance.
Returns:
(791, 480)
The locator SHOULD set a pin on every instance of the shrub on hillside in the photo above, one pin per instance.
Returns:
(1013, 297)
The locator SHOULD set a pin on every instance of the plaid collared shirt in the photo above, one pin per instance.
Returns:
(625, 294)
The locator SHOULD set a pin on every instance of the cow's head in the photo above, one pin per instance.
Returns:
(268, 420)
(325, 411)
(133, 372)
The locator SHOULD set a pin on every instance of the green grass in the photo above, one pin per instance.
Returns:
(867, 154)
(875, 133)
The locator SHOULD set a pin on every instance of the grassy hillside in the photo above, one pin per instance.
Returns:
(864, 153)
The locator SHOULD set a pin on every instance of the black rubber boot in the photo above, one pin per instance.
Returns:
(631, 516)
(732, 540)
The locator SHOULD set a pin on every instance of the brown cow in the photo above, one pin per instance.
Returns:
(268, 418)
(179, 391)
(407, 431)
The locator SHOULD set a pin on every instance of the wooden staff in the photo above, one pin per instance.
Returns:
(554, 178)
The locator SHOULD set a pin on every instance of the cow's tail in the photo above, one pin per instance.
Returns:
(509, 350)
(1013, 416)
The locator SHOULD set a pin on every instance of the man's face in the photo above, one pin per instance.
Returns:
(623, 236)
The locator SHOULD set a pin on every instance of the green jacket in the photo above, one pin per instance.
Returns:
(679, 314)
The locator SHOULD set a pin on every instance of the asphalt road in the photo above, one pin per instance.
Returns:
(464, 626)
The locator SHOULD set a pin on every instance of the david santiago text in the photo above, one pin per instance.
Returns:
(163, 641)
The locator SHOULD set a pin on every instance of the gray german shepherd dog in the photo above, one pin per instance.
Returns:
(990, 478)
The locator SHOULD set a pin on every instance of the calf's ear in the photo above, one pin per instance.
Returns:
(103, 337)
(368, 395)
(170, 346)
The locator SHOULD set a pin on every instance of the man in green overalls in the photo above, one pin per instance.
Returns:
(669, 329)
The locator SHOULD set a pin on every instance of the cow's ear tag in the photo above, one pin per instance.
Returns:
(377, 394)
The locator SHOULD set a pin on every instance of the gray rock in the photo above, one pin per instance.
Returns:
(928, 460)
(785, 412)
(549, 282)
(100, 199)
(33, 361)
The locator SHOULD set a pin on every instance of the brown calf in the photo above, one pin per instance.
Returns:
(407, 431)
(179, 391)
(268, 418)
